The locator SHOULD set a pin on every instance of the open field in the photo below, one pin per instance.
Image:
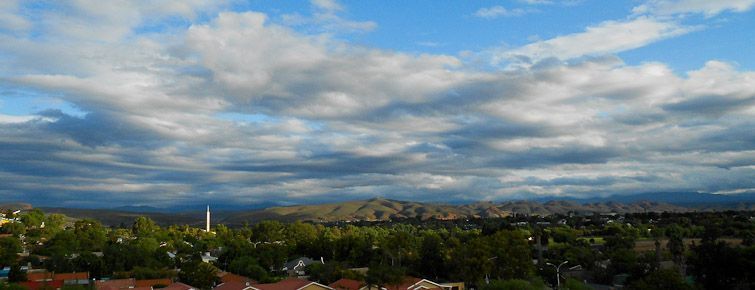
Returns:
(649, 245)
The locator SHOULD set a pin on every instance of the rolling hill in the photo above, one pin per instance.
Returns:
(376, 209)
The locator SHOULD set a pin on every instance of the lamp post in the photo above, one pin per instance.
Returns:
(558, 272)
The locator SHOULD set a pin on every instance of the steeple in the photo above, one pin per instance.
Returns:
(207, 225)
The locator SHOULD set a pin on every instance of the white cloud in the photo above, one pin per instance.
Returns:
(328, 5)
(605, 38)
(706, 7)
(498, 11)
(327, 18)
(321, 118)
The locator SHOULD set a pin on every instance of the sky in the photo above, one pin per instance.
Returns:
(183, 102)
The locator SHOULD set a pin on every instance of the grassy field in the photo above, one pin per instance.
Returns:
(597, 240)
(649, 245)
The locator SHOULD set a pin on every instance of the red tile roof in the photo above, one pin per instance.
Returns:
(179, 286)
(233, 285)
(347, 284)
(230, 277)
(72, 276)
(287, 284)
(42, 285)
(39, 276)
(115, 284)
(153, 282)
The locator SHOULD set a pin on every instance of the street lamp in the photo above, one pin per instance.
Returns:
(558, 272)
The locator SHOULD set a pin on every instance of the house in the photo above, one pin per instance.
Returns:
(179, 286)
(42, 276)
(230, 277)
(296, 267)
(291, 284)
(287, 284)
(37, 285)
(347, 284)
(409, 283)
(455, 285)
(153, 283)
(76, 278)
(115, 284)
(234, 285)
(208, 258)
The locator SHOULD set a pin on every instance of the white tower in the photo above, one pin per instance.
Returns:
(207, 225)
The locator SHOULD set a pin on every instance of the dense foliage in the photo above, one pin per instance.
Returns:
(489, 253)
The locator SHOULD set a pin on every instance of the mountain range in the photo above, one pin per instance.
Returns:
(377, 209)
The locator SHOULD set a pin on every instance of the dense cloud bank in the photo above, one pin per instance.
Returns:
(241, 109)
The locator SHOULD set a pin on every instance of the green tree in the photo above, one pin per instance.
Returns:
(574, 284)
(11, 286)
(199, 274)
(144, 226)
(15, 274)
(91, 234)
(382, 275)
(33, 218)
(250, 267)
(9, 249)
(432, 263)
(675, 243)
(326, 273)
(664, 279)
(513, 284)
(514, 260)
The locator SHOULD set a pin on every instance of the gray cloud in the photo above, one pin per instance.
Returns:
(246, 110)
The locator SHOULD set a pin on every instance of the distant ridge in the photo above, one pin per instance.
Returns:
(700, 200)
(15, 206)
(377, 209)
(381, 209)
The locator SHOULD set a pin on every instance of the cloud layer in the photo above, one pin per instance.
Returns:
(245, 110)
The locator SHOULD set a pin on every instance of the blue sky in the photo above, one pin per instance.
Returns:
(164, 103)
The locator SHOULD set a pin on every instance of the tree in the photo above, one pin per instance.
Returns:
(33, 218)
(431, 256)
(15, 274)
(663, 279)
(91, 234)
(9, 249)
(513, 284)
(199, 274)
(514, 260)
(326, 273)
(574, 284)
(144, 226)
(381, 275)
(11, 286)
(250, 267)
(676, 244)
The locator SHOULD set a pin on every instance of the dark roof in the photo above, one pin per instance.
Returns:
(291, 264)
